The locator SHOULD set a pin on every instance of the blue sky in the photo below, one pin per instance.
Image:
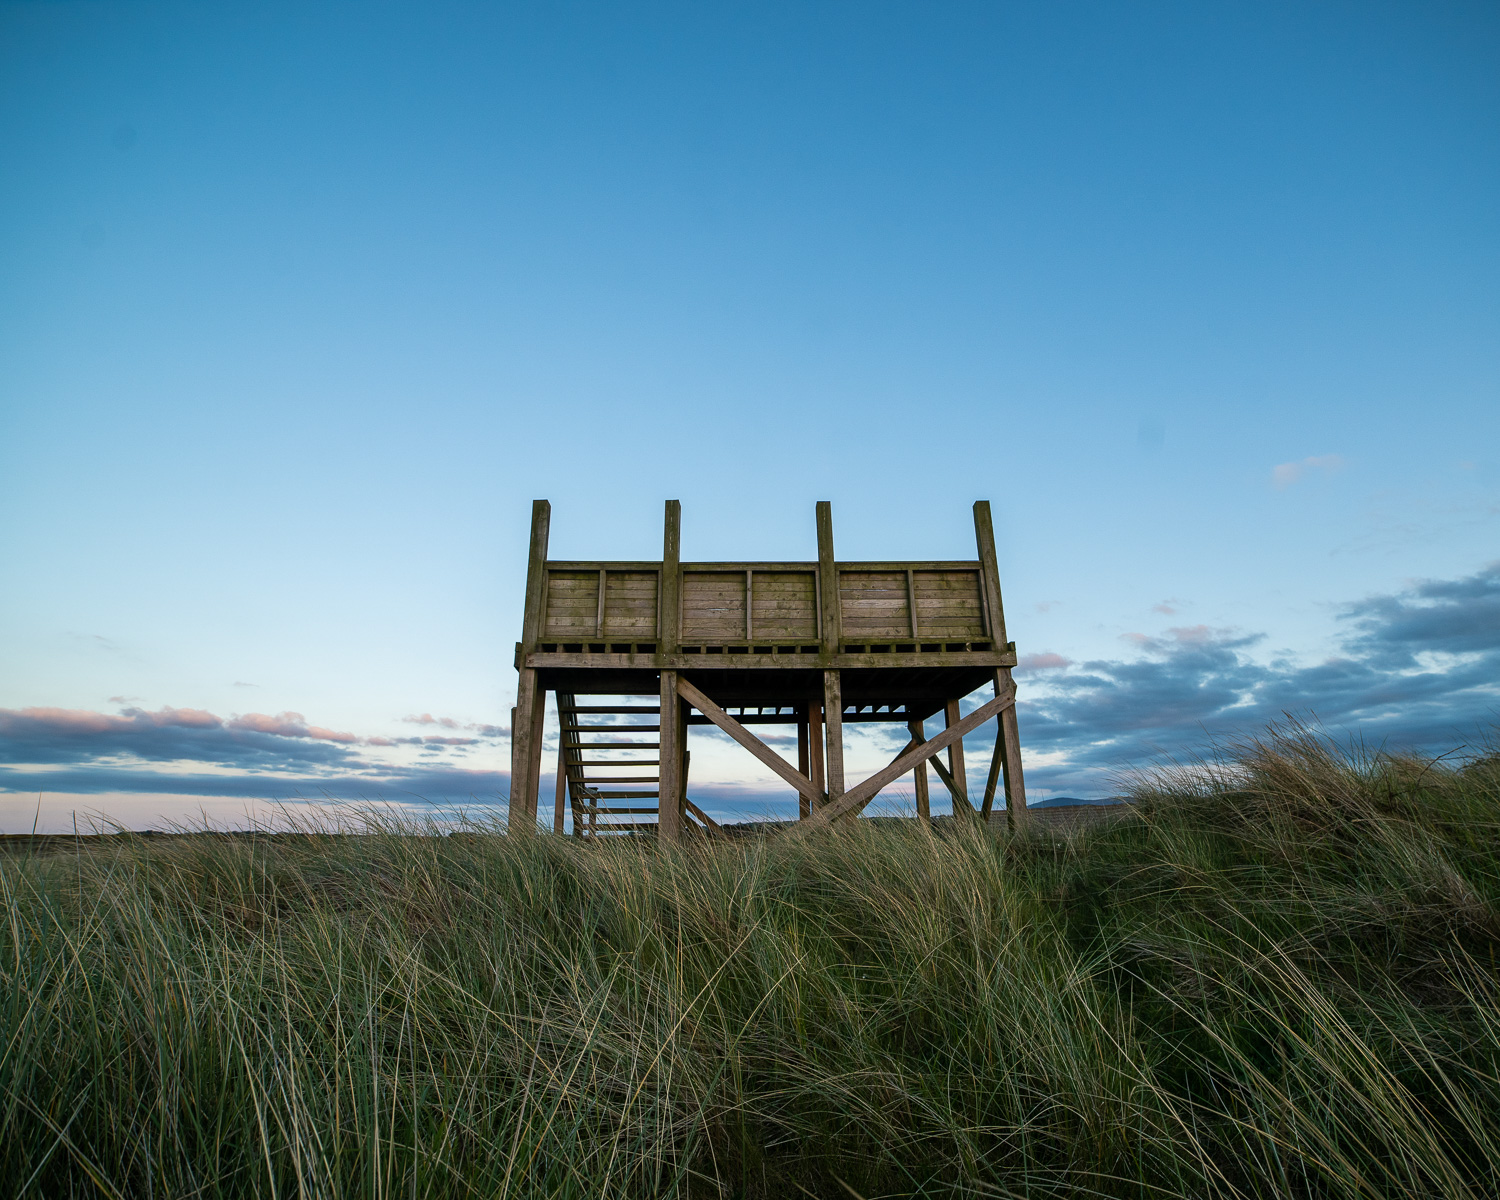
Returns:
(301, 305)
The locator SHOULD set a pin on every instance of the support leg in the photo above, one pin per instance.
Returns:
(525, 752)
(669, 770)
(919, 775)
(956, 761)
(562, 785)
(833, 716)
(815, 770)
(1010, 739)
(803, 764)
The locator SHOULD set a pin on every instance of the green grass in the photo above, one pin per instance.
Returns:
(1280, 981)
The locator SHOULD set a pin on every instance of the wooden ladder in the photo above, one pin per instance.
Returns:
(614, 787)
(600, 782)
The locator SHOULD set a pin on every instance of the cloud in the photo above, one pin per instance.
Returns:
(1288, 473)
(429, 719)
(291, 725)
(241, 683)
(484, 731)
(1043, 662)
(1166, 608)
(1196, 682)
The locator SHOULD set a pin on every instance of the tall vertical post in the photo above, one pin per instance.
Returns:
(526, 723)
(1008, 744)
(833, 724)
(1010, 760)
(833, 635)
(919, 774)
(989, 570)
(951, 717)
(559, 800)
(804, 762)
(669, 634)
(815, 771)
(828, 582)
(669, 761)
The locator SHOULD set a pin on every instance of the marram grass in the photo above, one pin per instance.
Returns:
(1279, 979)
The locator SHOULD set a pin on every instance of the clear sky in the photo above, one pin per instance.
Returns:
(302, 304)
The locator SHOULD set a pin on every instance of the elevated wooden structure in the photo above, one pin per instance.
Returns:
(740, 644)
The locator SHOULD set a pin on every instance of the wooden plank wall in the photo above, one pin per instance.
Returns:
(875, 605)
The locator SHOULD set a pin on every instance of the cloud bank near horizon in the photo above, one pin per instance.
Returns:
(1416, 668)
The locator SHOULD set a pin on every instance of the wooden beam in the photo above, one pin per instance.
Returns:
(1010, 738)
(749, 601)
(745, 738)
(599, 615)
(536, 574)
(669, 592)
(804, 764)
(817, 774)
(919, 773)
(669, 788)
(703, 816)
(997, 759)
(958, 782)
(523, 751)
(911, 601)
(833, 723)
(562, 785)
(989, 572)
(861, 794)
(831, 622)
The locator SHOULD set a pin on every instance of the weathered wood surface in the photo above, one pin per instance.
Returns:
(745, 738)
(861, 794)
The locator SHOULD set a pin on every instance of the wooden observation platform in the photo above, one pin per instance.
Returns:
(817, 645)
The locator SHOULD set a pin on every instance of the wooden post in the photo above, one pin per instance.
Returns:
(670, 592)
(669, 758)
(919, 775)
(562, 784)
(1010, 739)
(951, 718)
(525, 731)
(828, 582)
(815, 749)
(804, 763)
(989, 570)
(833, 719)
(526, 752)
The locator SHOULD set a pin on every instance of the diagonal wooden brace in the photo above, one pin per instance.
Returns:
(751, 743)
(942, 772)
(860, 795)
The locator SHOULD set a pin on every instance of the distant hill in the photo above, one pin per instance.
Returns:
(1060, 801)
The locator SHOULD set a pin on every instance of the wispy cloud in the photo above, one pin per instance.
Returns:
(1288, 473)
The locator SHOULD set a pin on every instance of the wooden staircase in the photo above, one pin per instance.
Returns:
(600, 765)
(599, 759)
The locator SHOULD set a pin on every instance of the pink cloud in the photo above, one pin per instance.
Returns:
(1043, 662)
(1165, 608)
(429, 719)
(289, 724)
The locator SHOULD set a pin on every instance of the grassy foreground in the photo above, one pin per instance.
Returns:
(1281, 981)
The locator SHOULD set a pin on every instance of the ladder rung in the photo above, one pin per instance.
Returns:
(608, 781)
(627, 796)
(654, 710)
(611, 728)
(615, 746)
(591, 809)
(615, 762)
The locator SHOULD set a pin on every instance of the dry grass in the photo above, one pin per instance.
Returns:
(1280, 982)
